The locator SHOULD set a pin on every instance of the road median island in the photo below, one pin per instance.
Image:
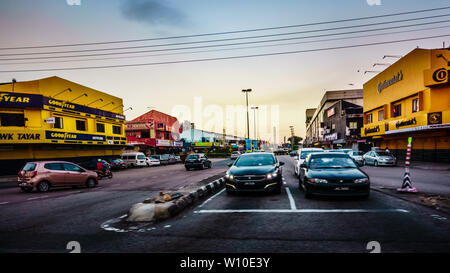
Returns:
(168, 205)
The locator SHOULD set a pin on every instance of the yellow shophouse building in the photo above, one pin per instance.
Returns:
(53, 118)
(411, 98)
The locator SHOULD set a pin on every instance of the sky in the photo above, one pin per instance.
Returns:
(283, 86)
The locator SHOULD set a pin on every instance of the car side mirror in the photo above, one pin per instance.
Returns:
(281, 163)
(303, 165)
(230, 164)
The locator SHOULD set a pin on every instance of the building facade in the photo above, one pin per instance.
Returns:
(154, 133)
(411, 98)
(53, 118)
(337, 121)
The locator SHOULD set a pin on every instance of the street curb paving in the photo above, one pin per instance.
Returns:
(163, 211)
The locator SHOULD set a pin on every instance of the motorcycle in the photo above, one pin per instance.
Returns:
(101, 174)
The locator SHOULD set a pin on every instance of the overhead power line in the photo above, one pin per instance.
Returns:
(219, 45)
(228, 39)
(230, 32)
(224, 58)
(234, 48)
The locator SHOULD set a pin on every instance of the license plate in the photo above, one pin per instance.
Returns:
(342, 189)
(249, 183)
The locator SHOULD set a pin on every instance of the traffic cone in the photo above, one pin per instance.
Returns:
(407, 185)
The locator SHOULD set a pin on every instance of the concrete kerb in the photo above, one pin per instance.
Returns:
(146, 212)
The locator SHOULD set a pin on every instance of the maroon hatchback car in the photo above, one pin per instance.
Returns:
(43, 175)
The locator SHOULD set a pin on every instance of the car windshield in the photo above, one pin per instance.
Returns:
(304, 154)
(355, 153)
(384, 153)
(29, 167)
(193, 156)
(331, 162)
(141, 157)
(255, 160)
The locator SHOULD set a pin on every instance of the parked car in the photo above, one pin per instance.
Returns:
(178, 159)
(357, 157)
(152, 161)
(44, 175)
(172, 159)
(117, 164)
(163, 159)
(254, 172)
(379, 158)
(235, 155)
(332, 174)
(302, 153)
(293, 153)
(134, 159)
(197, 161)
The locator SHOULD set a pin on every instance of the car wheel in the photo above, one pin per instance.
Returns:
(110, 175)
(90, 183)
(202, 167)
(25, 189)
(364, 163)
(210, 165)
(43, 186)
(188, 169)
(375, 163)
(277, 190)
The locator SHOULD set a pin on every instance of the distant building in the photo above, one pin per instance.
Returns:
(337, 121)
(154, 133)
(411, 98)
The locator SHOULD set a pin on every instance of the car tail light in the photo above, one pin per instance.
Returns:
(20, 173)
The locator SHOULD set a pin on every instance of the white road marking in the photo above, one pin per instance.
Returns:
(301, 211)
(40, 197)
(202, 204)
(4, 203)
(291, 199)
(167, 226)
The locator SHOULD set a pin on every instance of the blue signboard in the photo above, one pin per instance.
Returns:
(248, 144)
(255, 144)
(73, 136)
(8, 99)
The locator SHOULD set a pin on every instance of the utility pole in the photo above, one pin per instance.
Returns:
(254, 120)
(246, 91)
(292, 137)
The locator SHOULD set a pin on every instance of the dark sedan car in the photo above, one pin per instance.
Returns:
(254, 172)
(197, 161)
(332, 174)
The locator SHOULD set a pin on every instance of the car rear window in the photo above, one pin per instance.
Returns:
(305, 153)
(255, 160)
(140, 157)
(54, 166)
(193, 156)
(29, 167)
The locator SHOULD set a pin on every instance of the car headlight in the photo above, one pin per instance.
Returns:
(271, 175)
(318, 180)
(361, 180)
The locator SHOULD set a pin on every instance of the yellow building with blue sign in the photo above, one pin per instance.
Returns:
(411, 98)
(53, 118)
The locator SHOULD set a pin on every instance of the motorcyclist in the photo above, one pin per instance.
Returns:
(100, 166)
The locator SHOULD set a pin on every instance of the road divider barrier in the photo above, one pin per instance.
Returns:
(161, 208)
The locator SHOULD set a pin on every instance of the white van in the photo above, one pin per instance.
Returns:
(134, 159)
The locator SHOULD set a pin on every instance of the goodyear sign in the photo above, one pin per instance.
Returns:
(8, 99)
(80, 108)
(73, 136)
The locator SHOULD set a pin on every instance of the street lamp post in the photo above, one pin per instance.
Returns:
(254, 120)
(246, 91)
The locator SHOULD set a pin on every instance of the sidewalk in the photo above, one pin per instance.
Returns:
(438, 166)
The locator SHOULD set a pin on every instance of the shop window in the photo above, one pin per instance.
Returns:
(381, 115)
(166, 135)
(353, 125)
(415, 105)
(58, 123)
(397, 110)
(117, 130)
(8, 119)
(81, 125)
(369, 118)
(100, 127)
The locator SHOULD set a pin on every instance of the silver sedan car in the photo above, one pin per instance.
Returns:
(379, 158)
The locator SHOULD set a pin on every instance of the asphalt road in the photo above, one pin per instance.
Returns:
(267, 223)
